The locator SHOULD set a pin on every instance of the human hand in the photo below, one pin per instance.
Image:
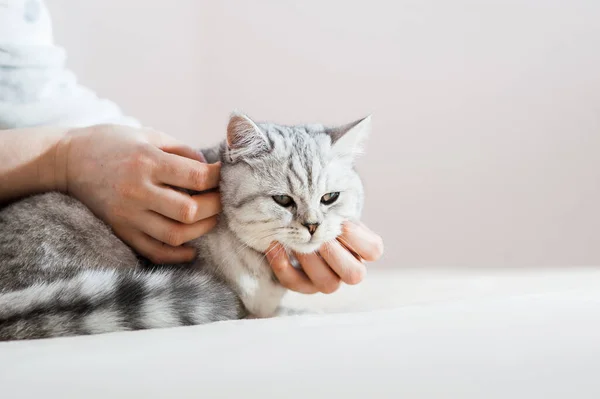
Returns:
(334, 263)
(123, 175)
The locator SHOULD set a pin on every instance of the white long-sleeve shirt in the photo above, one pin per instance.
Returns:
(36, 88)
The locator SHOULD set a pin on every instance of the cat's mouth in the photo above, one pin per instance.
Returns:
(309, 244)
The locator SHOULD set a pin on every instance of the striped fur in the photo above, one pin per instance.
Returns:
(101, 301)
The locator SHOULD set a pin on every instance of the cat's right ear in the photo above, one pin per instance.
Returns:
(244, 138)
(350, 139)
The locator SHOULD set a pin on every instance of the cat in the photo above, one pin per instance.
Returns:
(63, 272)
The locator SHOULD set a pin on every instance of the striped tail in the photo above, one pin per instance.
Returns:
(110, 300)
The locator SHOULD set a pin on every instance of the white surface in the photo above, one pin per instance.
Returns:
(512, 334)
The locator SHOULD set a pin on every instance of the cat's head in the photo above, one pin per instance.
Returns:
(292, 184)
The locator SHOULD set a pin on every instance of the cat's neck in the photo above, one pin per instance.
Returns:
(243, 267)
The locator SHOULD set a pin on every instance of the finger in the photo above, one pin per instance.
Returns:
(185, 151)
(160, 139)
(288, 275)
(156, 251)
(181, 172)
(360, 239)
(171, 232)
(350, 270)
(319, 272)
(182, 207)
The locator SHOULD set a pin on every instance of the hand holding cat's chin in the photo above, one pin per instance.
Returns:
(337, 261)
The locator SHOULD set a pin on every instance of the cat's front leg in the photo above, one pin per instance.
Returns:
(261, 296)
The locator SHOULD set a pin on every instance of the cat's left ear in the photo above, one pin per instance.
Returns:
(350, 139)
(244, 138)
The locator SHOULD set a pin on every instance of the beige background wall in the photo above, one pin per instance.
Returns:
(487, 113)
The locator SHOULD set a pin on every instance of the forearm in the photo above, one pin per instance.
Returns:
(31, 161)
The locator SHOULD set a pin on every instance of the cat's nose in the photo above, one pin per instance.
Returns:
(312, 227)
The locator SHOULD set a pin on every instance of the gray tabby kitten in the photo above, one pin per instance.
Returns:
(63, 272)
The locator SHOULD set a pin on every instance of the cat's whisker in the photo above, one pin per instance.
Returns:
(241, 247)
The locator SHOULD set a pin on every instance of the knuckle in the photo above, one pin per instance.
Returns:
(141, 159)
(167, 166)
(188, 211)
(127, 190)
(198, 176)
(279, 266)
(329, 287)
(174, 237)
(355, 275)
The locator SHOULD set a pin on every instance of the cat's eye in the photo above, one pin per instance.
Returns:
(330, 198)
(283, 200)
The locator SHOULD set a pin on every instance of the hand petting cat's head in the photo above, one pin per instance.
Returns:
(292, 184)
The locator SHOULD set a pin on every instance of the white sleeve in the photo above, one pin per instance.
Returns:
(36, 89)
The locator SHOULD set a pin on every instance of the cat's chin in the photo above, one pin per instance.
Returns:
(305, 248)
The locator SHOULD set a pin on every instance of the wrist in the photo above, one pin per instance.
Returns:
(34, 160)
(47, 167)
(61, 153)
